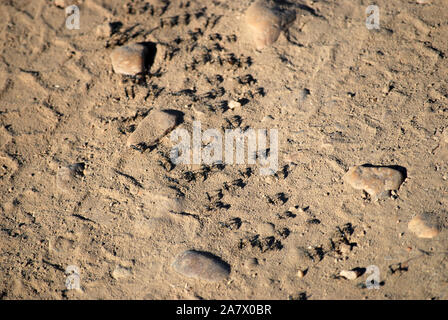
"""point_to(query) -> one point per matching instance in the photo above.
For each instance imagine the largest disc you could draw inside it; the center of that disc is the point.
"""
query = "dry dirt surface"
(75, 197)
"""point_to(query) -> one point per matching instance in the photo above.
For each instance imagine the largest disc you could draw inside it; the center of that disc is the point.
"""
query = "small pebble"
(5, 137)
(251, 263)
(265, 22)
(378, 182)
(104, 30)
(445, 136)
(152, 128)
(303, 94)
(234, 104)
(60, 3)
(267, 118)
(161, 54)
(345, 248)
(349, 275)
(129, 59)
(201, 265)
(266, 229)
(300, 274)
(425, 225)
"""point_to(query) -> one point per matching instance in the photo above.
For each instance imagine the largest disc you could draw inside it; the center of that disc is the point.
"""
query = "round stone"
(129, 59)
(265, 22)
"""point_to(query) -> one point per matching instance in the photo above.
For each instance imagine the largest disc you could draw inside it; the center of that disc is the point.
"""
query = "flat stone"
(265, 22)
(152, 128)
(68, 177)
(425, 225)
(129, 59)
(201, 265)
(121, 272)
(376, 181)
(163, 201)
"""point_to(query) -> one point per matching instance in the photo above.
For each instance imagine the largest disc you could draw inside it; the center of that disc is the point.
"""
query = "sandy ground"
(339, 94)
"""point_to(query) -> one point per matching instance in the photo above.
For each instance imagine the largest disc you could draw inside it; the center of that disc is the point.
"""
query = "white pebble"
(349, 275)
(234, 104)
